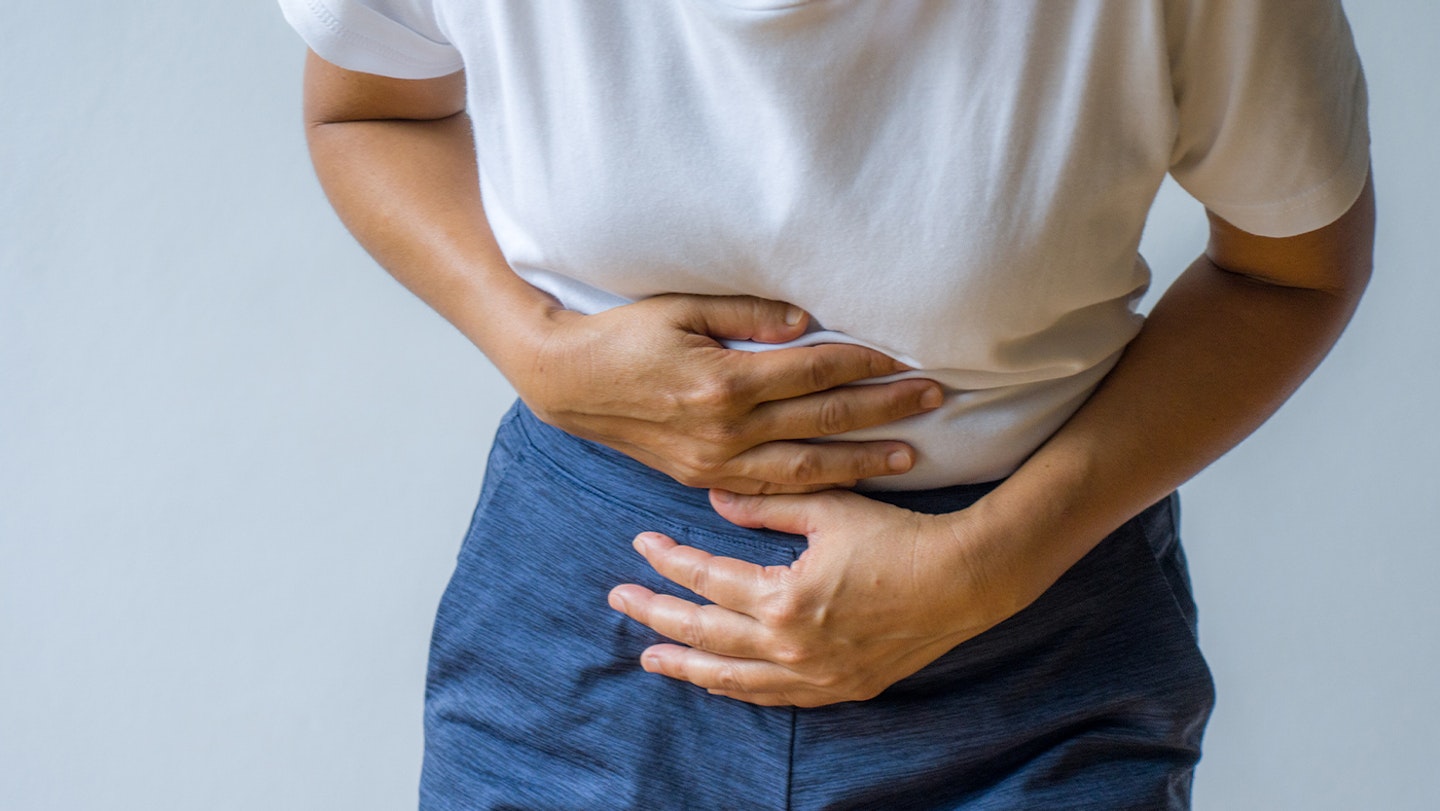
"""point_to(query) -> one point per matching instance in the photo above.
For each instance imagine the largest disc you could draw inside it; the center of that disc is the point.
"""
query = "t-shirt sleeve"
(1271, 105)
(397, 38)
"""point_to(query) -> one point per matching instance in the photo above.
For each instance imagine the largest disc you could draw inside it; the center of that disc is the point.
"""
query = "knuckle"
(688, 474)
(803, 467)
(770, 488)
(878, 364)
(728, 678)
(824, 372)
(691, 461)
(723, 431)
(697, 468)
(792, 654)
(763, 311)
(699, 577)
(714, 393)
(833, 416)
(692, 630)
(772, 616)
(780, 612)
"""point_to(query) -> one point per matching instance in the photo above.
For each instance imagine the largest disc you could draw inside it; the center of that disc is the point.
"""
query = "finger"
(756, 487)
(797, 515)
(734, 584)
(815, 466)
(780, 374)
(745, 318)
(723, 673)
(821, 467)
(711, 628)
(844, 409)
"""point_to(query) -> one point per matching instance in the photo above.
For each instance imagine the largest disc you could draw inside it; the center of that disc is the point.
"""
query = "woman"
(714, 231)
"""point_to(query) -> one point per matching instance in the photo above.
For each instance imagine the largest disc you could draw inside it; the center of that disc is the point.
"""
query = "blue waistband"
(604, 470)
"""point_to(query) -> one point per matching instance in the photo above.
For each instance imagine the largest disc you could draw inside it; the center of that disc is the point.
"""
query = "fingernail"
(793, 315)
(642, 543)
(724, 496)
(617, 601)
(650, 662)
(898, 461)
(932, 398)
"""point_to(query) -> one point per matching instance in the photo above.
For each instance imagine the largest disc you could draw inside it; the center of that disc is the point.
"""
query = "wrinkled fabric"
(1094, 697)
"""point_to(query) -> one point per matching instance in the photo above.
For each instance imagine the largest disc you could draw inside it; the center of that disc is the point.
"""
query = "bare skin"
(649, 379)
(880, 591)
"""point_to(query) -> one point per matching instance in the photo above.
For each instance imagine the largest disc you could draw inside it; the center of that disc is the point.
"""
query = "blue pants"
(1094, 697)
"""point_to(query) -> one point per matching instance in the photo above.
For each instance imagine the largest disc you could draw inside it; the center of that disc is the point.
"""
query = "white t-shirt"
(961, 184)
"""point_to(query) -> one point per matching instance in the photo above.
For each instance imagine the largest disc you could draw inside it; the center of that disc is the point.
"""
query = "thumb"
(796, 514)
(743, 318)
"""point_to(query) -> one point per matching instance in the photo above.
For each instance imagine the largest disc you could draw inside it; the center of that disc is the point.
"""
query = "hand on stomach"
(668, 381)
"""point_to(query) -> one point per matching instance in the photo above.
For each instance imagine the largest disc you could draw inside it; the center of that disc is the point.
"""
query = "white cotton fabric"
(961, 184)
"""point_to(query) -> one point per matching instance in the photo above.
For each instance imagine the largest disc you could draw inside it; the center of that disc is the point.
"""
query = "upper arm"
(1336, 258)
(334, 94)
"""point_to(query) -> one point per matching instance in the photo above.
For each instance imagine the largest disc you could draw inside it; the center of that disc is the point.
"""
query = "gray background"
(236, 459)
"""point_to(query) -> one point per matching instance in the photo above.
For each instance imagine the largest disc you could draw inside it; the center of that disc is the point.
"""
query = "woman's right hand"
(652, 380)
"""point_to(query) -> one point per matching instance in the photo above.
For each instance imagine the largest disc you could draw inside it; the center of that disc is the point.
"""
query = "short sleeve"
(1271, 111)
(397, 38)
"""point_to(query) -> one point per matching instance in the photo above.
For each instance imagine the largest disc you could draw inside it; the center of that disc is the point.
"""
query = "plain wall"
(236, 459)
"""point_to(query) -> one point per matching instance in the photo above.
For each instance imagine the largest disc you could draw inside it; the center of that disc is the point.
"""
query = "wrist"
(522, 343)
(1025, 534)
(505, 317)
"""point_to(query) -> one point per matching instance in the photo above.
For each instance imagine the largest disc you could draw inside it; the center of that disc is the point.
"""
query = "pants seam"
(790, 760)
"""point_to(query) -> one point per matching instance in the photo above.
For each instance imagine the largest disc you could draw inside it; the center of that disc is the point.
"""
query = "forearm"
(1218, 355)
(407, 190)
(650, 379)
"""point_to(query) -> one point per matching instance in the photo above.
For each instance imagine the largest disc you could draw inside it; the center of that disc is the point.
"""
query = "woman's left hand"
(879, 593)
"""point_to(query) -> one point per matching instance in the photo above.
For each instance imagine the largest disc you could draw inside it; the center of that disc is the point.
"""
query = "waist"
(590, 465)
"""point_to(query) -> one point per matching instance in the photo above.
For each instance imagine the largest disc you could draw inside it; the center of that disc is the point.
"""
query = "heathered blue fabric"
(1094, 697)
